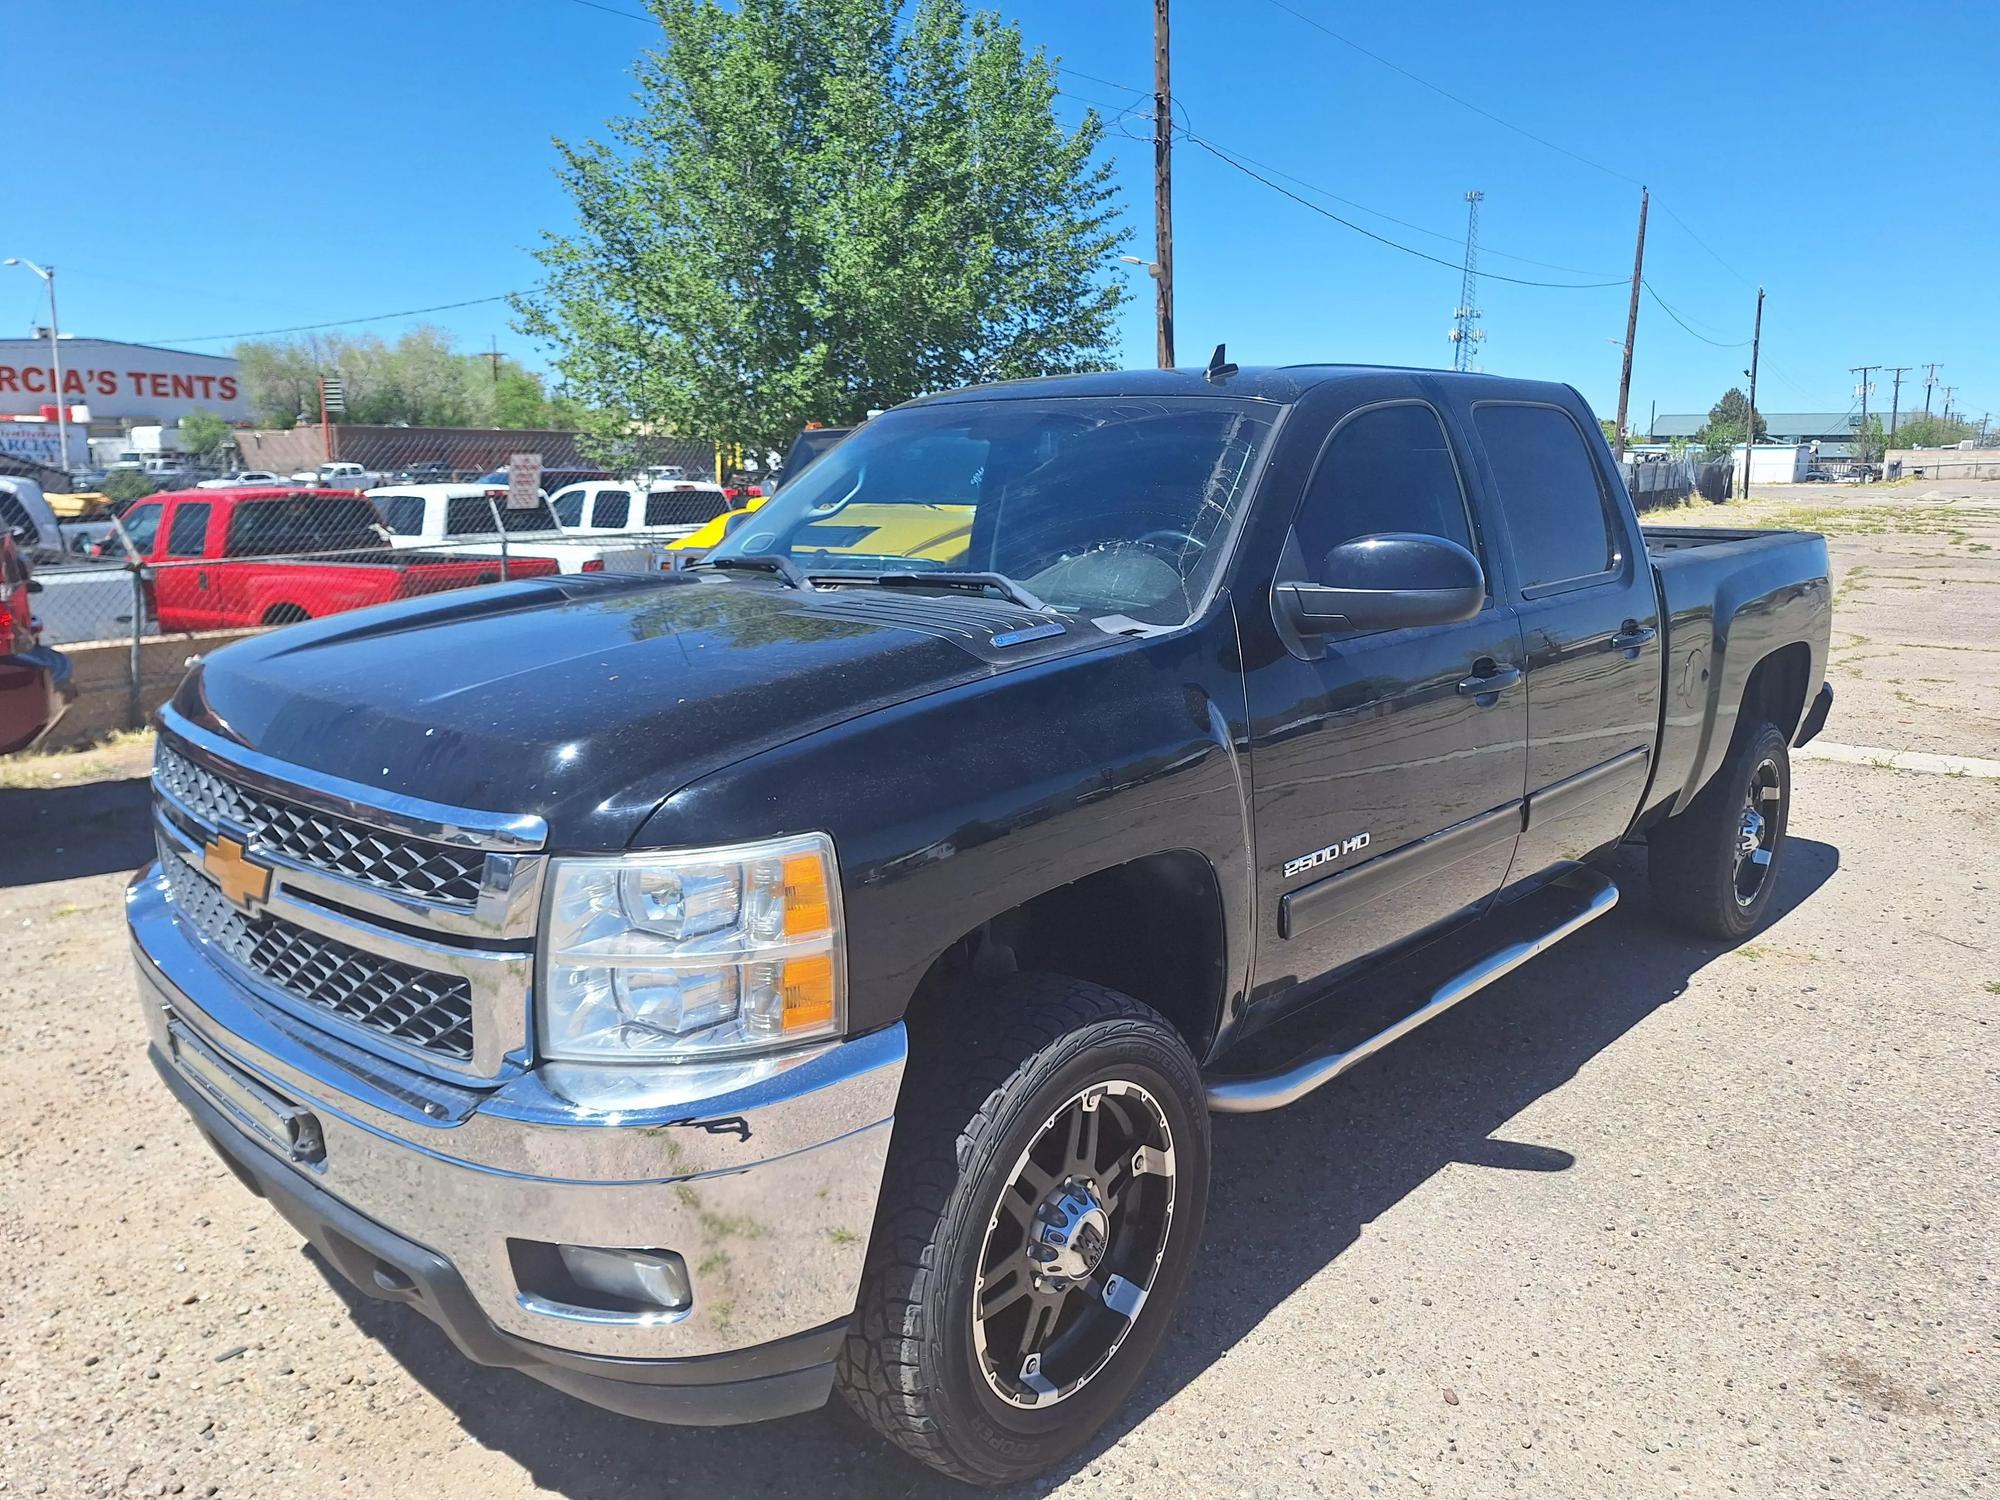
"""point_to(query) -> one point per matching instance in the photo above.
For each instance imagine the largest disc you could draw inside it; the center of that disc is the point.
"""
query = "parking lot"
(1646, 1218)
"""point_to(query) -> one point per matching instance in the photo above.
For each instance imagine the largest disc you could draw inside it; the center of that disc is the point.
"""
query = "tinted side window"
(189, 531)
(1557, 512)
(1386, 470)
(463, 517)
(613, 508)
(311, 523)
(568, 506)
(142, 525)
(402, 514)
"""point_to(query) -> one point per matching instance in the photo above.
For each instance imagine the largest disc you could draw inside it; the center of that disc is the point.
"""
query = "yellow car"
(717, 529)
(934, 533)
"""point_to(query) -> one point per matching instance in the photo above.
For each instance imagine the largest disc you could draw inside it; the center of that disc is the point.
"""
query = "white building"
(108, 387)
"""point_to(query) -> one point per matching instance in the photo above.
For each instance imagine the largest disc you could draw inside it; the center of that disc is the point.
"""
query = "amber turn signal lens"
(807, 912)
(808, 992)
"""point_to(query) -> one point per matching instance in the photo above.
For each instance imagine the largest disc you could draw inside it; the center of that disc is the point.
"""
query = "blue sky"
(250, 164)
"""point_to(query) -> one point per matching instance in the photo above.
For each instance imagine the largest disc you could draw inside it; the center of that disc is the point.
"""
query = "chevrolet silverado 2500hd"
(816, 968)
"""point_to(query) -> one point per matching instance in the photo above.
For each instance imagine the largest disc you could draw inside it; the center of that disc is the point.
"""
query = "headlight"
(691, 954)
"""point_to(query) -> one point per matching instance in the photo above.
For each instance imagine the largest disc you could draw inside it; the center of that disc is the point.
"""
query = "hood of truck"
(587, 699)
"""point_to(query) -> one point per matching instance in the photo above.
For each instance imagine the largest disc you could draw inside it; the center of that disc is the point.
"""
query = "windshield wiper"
(760, 562)
(1000, 583)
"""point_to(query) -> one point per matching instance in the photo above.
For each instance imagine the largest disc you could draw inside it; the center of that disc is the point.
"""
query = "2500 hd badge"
(1326, 856)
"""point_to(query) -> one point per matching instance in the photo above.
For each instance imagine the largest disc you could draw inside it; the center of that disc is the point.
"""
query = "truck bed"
(1729, 598)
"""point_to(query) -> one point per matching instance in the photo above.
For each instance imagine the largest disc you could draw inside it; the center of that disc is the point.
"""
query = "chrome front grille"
(419, 1007)
(392, 862)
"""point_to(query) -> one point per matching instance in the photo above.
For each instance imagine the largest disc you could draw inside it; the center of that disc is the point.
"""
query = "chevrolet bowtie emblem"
(243, 881)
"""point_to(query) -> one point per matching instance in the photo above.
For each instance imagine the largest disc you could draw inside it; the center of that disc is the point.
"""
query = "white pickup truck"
(670, 508)
(471, 520)
(338, 475)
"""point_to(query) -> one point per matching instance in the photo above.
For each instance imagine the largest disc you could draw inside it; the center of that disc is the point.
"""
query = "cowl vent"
(991, 629)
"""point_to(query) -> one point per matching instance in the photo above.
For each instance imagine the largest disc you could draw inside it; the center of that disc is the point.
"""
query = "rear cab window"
(1563, 529)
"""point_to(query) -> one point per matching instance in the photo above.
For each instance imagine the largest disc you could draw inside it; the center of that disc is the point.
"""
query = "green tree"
(125, 484)
(203, 433)
(422, 379)
(1870, 442)
(810, 215)
(1727, 420)
(1932, 432)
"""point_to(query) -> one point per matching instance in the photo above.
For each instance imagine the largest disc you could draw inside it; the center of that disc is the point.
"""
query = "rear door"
(611, 509)
(1388, 766)
(1589, 621)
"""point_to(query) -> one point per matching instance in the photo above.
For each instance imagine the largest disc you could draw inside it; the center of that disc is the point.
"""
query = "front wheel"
(1041, 1208)
(1714, 867)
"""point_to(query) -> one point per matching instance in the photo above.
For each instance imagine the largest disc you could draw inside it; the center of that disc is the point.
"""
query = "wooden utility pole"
(1863, 390)
(1163, 187)
(1632, 326)
(1896, 398)
(1750, 427)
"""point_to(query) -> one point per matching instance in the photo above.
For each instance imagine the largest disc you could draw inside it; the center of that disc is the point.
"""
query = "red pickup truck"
(224, 558)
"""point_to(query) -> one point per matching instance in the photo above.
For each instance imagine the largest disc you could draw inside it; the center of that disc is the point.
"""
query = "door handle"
(1494, 679)
(1632, 635)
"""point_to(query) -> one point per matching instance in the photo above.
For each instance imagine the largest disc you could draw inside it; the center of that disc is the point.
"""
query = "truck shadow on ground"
(1276, 1219)
(65, 832)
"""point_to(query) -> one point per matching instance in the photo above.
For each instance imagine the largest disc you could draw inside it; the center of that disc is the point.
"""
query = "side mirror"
(1389, 582)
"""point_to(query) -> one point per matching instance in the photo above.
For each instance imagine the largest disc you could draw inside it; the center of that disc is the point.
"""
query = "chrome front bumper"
(762, 1175)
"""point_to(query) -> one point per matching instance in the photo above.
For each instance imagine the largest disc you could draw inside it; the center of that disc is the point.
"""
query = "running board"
(1249, 1094)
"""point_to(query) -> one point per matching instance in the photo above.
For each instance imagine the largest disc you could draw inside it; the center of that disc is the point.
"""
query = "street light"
(1152, 266)
(48, 275)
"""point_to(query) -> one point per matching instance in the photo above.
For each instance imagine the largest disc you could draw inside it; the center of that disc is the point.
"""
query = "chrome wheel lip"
(1031, 1389)
(1757, 832)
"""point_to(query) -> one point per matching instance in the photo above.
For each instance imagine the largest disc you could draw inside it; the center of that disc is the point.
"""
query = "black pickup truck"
(818, 967)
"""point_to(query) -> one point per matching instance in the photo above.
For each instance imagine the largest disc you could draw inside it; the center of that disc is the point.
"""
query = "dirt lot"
(1646, 1219)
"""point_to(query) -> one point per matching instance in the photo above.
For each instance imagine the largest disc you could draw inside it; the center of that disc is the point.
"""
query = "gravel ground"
(1647, 1218)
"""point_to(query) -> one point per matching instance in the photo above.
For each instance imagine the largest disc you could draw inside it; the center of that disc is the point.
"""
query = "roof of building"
(78, 340)
(1779, 424)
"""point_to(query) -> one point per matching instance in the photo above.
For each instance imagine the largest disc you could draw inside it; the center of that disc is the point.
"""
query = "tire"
(1001, 1077)
(1692, 860)
(285, 614)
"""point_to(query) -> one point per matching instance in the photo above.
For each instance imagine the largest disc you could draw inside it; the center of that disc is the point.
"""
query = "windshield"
(1107, 505)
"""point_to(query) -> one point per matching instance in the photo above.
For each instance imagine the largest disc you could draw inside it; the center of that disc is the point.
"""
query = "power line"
(1455, 265)
(258, 333)
(1718, 343)
(1436, 234)
(1689, 230)
(1445, 93)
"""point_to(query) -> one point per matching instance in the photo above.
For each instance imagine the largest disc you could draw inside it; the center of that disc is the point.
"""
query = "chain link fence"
(141, 587)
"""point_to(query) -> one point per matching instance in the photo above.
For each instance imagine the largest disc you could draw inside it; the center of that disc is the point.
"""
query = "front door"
(1388, 771)
(1590, 625)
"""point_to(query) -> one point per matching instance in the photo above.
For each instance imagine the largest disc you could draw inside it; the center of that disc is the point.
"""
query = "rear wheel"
(1040, 1212)
(1714, 867)
(285, 614)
